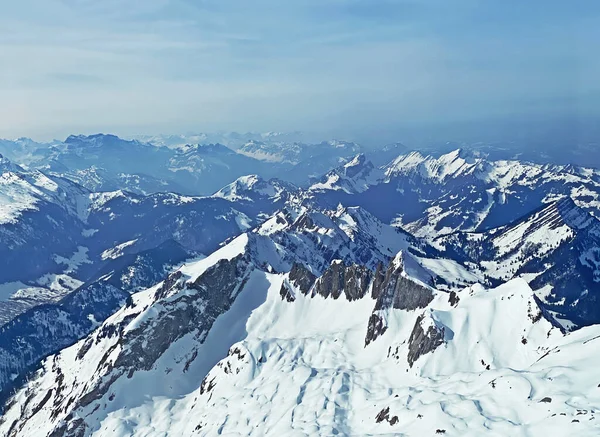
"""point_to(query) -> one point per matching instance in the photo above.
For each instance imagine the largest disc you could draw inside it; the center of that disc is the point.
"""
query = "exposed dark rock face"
(353, 281)
(453, 298)
(31, 336)
(400, 292)
(390, 288)
(375, 328)
(189, 312)
(216, 290)
(301, 277)
(168, 285)
(286, 293)
(384, 415)
(378, 279)
(393, 290)
(421, 342)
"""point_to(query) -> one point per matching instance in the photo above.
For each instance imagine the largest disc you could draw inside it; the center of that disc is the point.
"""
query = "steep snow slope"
(60, 241)
(322, 321)
(220, 349)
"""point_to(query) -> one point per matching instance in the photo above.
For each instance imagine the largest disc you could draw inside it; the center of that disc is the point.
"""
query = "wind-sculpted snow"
(215, 349)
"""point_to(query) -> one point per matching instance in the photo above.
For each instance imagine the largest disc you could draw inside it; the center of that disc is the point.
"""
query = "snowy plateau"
(329, 291)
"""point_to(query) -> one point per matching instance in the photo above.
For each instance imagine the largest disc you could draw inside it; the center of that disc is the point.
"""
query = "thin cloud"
(144, 66)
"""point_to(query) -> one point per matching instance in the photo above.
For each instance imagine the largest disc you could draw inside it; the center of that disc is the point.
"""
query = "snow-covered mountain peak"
(253, 187)
(452, 164)
(548, 227)
(317, 321)
(7, 165)
(349, 234)
(97, 141)
(554, 248)
(355, 176)
(358, 161)
(263, 365)
(405, 163)
(308, 312)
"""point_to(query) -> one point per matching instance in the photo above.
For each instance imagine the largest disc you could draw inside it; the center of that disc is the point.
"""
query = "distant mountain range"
(279, 287)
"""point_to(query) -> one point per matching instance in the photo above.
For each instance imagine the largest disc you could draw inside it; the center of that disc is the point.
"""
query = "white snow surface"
(117, 251)
(269, 367)
(355, 176)
(248, 187)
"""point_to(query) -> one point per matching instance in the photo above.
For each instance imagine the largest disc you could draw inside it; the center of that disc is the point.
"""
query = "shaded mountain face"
(115, 244)
(233, 140)
(55, 235)
(98, 179)
(34, 211)
(22, 150)
(115, 155)
(292, 236)
(102, 161)
(315, 311)
(206, 168)
(556, 247)
(235, 355)
(34, 333)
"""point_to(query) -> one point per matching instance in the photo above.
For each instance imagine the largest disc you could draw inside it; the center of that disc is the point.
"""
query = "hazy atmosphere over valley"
(300, 218)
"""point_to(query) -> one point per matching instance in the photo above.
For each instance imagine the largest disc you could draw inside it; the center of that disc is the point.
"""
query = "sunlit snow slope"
(242, 343)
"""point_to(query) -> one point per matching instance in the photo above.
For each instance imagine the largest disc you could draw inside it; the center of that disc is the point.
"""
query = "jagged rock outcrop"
(214, 292)
(45, 329)
(353, 281)
(391, 288)
(138, 339)
(423, 339)
(301, 277)
(395, 290)
(400, 291)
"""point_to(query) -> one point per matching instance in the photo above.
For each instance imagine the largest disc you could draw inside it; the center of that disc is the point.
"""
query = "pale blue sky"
(335, 66)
